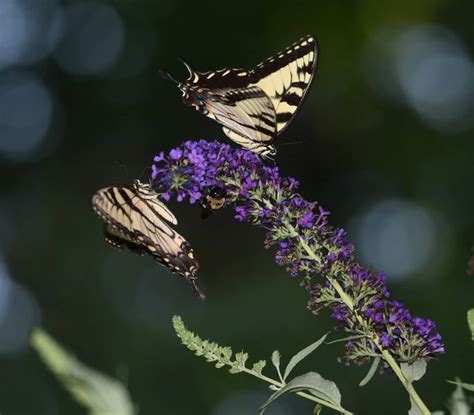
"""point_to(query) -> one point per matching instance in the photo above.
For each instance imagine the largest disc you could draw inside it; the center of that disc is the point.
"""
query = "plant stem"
(385, 354)
(407, 385)
(302, 394)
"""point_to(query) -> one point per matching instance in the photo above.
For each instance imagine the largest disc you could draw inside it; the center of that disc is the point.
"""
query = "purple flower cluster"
(409, 338)
(306, 245)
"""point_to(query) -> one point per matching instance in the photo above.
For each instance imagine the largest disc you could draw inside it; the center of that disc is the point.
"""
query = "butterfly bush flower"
(307, 246)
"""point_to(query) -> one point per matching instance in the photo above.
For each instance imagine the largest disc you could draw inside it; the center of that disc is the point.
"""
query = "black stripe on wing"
(122, 242)
(248, 112)
(285, 78)
(291, 98)
(297, 50)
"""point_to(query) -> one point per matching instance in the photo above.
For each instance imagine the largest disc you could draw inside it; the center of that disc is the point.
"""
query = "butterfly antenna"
(289, 144)
(143, 172)
(188, 67)
(166, 75)
(122, 166)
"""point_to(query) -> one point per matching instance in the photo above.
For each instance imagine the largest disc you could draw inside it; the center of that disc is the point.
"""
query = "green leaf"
(468, 386)
(298, 357)
(470, 321)
(415, 371)
(234, 370)
(414, 410)
(344, 339)
(100, 394)
(437, 413)
(458, 404)
(276, 357)
(241, 358)
(371, 372)
(312, 382)
(317, 409)
(258, 366)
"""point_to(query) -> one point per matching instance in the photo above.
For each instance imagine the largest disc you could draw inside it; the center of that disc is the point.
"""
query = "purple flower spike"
(306, 245)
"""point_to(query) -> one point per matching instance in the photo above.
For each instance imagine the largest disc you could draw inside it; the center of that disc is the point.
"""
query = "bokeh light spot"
(26, 110)
(24, 25)
(396, 236)
(19, 313)
(436, 76)
(92, 37)
(13, 32)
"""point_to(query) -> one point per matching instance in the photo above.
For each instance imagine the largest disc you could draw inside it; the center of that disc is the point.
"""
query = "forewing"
(161, 210)
(111, 205)
(162, 242)
(136, 221)
(248, 112)
(285, 78)
(221, 79)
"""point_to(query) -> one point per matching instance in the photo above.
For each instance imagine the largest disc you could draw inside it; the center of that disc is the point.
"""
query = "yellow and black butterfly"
(137, 221)
(254, 106)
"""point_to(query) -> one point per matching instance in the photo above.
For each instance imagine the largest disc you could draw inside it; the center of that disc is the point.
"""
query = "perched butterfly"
(213, 199)
(254, 106)
(137, 221)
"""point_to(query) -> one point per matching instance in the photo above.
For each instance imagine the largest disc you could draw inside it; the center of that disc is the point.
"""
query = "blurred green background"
(387, 133)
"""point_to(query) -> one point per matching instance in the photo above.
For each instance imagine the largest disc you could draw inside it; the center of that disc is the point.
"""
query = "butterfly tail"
(197, 290)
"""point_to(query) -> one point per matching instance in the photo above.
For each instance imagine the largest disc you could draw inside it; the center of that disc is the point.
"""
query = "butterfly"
(136, 221)
(254, 106)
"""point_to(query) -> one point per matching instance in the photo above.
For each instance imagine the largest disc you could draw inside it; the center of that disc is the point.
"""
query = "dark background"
(387, 134)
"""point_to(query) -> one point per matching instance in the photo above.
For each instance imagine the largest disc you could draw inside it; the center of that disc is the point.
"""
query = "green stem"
(302, 394)
(385, 354)
(195, 344)
(407, 385)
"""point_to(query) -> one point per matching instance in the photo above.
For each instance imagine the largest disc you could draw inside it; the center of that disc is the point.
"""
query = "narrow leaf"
(468, 386)
(276, 357)
(458, 404)
(317, 409)
(298, 357)
(371, 372)
(312, 382)
(344, 339)
(470, 321)
(100, 394)
(415, 371)
(414, 410)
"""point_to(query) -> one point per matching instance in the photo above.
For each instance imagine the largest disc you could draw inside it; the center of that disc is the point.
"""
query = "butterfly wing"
(138, 222)
(285, 78)
(255, 106)
(248, 112)
(122, 241)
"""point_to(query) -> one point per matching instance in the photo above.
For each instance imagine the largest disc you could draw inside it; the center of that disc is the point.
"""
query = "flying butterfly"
(254, 106)
(136, 221)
